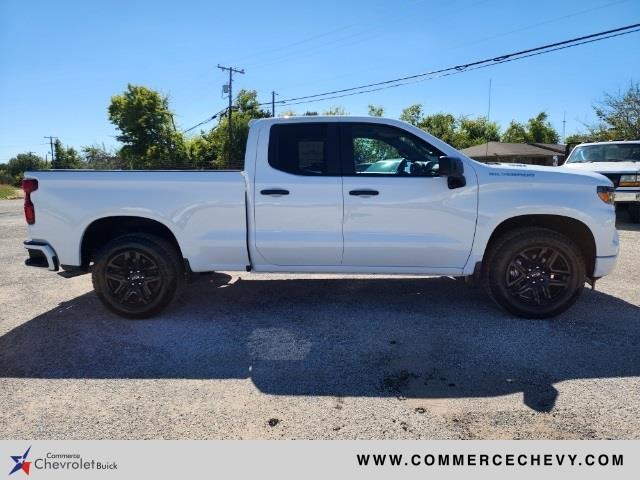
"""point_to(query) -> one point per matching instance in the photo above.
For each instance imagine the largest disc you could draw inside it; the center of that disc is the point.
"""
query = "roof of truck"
(612, 142)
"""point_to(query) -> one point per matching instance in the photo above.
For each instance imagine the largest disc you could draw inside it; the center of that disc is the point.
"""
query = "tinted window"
(373, 149)
(302, 149)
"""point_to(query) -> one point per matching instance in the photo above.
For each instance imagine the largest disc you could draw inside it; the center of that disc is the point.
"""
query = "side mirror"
(450, 167)
(453, 169)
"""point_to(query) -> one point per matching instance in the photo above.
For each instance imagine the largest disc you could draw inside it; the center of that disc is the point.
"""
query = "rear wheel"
(136, 276)
(534, 272)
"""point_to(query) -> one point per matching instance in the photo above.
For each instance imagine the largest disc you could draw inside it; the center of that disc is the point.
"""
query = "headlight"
(630, 181)
(606, 194)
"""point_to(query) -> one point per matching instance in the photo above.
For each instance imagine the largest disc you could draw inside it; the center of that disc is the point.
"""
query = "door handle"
(275, 192)
(364, 193)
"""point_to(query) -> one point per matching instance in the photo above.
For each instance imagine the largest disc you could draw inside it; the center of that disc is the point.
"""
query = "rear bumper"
(604, 266)
(41, 254)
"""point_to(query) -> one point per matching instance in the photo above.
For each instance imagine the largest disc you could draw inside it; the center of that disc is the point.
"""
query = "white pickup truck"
(619, 162)
(329, 194)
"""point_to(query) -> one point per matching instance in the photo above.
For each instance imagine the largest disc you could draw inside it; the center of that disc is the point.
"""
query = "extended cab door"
(298, 196)
(397, 211)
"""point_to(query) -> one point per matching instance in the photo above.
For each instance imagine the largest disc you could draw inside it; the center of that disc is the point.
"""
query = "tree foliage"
(540, 130)
(618, 115)
(98, 157)
(213, 148)
(375, 111)
(21, 163)
(516, 132)
(146, 129)
(459, 132)
(335, 111)
(66, 157)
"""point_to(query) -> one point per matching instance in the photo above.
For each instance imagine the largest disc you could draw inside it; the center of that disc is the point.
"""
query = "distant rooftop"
(501, 149)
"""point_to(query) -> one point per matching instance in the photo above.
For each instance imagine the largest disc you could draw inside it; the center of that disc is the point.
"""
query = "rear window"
(301, 149)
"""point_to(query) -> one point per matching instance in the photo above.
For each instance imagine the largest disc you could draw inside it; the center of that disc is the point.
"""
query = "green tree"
(536, 130)
(335, 111)
(376, 111)
(310, 113)
(221, 153)
(99, 157)
(441, 125)
(412, 114)
(516, 132)
(539, 130)
(21, 163)
(618, 116)
(146, 129)
(66, 157)
(475, 131)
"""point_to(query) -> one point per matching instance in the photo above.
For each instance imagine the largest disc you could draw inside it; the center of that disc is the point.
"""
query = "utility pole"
(564, 124)
(231, 70)
(273, 103)
(53, 158)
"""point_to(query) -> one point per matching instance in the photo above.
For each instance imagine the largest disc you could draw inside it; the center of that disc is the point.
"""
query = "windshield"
(605, 153)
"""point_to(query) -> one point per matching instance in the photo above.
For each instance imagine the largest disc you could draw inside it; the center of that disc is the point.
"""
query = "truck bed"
(205, 210)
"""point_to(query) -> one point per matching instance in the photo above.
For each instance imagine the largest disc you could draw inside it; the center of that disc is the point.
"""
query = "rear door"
(298, 196)
(397, 211)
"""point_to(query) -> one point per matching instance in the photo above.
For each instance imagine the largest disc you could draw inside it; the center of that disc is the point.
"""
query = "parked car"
(531, 235)
(620, 163)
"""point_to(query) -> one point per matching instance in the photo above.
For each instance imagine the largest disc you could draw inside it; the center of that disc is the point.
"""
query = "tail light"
(29, 185)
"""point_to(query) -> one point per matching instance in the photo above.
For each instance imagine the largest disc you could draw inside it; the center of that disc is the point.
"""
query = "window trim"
(332, 148)
(346, 150)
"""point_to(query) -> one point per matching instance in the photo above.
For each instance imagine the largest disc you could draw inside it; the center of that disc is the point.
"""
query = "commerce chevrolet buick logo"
(21, 463)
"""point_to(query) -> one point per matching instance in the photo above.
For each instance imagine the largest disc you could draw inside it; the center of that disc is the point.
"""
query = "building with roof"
(533, 153)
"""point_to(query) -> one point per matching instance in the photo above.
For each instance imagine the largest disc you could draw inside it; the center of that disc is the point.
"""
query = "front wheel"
(534, 272)
(136, 276)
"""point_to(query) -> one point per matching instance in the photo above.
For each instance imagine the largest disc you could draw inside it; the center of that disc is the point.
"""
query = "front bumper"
(627, 196)
(41, 254)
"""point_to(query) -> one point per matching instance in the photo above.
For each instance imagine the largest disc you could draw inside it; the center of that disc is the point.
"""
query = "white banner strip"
(320, 459)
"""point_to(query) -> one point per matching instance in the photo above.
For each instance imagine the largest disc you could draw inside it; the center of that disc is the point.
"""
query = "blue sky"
(62, 61)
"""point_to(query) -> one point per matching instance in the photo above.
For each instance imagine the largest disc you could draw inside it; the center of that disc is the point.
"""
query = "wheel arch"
(574, 229)
(102, 230)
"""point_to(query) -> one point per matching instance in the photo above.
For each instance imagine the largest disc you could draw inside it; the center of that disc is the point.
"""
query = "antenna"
(486, 153)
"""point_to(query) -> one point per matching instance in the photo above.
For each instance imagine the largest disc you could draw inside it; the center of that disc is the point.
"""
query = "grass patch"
(8, 192)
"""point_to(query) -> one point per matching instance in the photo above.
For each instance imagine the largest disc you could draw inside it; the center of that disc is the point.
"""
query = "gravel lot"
(278, 356)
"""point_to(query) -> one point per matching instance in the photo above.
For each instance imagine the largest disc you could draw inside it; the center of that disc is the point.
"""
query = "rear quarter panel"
(205, 210)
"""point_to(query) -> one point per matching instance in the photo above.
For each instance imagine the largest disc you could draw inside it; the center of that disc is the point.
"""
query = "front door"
(298, 197)
(397, 211)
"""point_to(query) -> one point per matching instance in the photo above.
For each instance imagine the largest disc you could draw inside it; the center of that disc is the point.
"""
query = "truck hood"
(605, 167)
(547, 174)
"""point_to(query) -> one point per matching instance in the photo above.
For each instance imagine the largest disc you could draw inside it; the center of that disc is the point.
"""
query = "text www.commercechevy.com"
(489, 460)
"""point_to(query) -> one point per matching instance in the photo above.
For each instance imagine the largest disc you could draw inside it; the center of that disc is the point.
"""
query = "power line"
(444, 72)
(205, 121)
(475, 64)
(447, 72)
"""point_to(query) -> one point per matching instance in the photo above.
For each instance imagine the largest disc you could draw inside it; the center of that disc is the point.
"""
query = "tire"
(534, 272)
(634, 212)
(136, 276)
